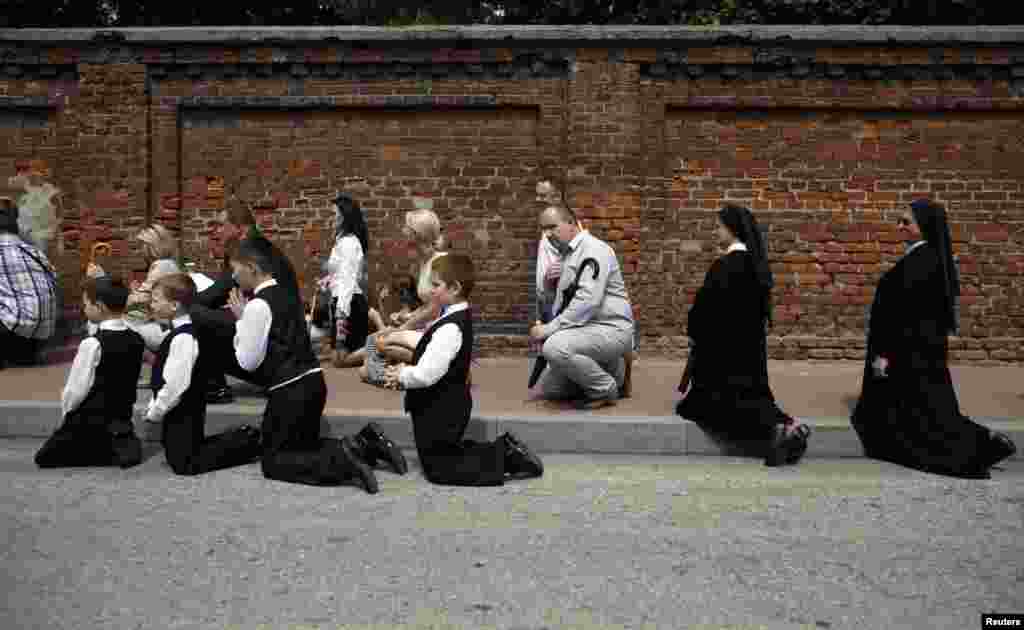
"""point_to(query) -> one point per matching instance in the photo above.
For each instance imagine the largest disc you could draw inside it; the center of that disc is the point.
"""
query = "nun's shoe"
(520, 461)
(787, 447)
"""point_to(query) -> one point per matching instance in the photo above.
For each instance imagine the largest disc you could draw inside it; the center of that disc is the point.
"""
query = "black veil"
(931, 218)
(741, 222)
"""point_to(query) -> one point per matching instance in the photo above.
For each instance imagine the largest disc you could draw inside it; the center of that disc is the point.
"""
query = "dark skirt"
(912, 418)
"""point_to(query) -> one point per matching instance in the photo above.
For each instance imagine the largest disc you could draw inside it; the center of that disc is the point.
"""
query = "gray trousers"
(585, 361)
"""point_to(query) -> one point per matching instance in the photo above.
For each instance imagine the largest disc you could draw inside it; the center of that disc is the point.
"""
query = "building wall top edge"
(661, 36)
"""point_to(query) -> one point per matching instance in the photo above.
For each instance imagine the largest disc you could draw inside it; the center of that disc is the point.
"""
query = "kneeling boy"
(439, 396)
(272, 342)
(179, 382)
(100, 392)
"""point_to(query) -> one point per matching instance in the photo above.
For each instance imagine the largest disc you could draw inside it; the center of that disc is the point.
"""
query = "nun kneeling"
(908, 411)
(728, 395)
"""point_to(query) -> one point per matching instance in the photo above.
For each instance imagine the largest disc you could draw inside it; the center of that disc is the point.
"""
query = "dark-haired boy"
(439, 397)
(272, 342)
(180, 374)
(99, 395)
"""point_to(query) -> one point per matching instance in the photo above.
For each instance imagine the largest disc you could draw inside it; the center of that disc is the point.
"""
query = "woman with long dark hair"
(347, 278)
(728, 394)
(908, 411)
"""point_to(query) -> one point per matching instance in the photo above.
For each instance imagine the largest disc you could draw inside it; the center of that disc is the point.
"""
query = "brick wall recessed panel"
(827, 187)
(290, 164)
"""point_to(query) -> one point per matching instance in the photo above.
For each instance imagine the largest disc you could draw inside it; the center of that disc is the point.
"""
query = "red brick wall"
(826, 144)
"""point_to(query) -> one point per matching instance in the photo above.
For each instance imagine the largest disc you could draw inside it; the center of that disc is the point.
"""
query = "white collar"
(113, 324)
(265, 284)
(576, 240)
(738, 246)
(913, 247)
(181, 320)
(453, 308)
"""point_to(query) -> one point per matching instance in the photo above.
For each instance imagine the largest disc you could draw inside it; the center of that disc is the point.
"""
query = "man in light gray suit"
(586, 343)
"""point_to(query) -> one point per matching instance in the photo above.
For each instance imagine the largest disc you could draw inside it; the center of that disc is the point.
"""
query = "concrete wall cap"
(503, 35)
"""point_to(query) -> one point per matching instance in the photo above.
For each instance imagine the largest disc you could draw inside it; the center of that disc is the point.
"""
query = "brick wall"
(826, 136)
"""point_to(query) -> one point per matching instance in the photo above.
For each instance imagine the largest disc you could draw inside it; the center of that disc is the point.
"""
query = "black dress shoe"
(787, 447)
(343, 459)
(373, 446)
(520, 461)
(1000, 448)
(252, 437)
(220, 396)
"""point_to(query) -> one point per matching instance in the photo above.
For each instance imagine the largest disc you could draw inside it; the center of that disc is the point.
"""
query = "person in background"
(28, 293)
(347, 272)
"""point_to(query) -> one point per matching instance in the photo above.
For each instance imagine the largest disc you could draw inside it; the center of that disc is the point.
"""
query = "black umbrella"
(567, 295)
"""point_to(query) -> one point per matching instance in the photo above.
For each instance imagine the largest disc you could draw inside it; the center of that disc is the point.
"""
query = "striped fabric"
(28, 292)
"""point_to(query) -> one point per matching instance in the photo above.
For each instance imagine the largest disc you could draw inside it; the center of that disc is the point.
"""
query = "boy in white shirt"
(179, 382)
(439, 397)
(100, 392)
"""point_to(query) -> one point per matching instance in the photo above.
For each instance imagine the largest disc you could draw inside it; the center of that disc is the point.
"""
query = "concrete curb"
(570, 432)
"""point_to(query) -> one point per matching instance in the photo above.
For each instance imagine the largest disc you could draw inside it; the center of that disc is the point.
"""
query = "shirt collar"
(576, 240)
(453, 308)
(181, 320)
(265, 284)
(113, 324)
(736, 247)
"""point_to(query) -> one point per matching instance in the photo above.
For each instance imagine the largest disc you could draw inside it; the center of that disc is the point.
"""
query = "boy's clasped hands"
(391, 376)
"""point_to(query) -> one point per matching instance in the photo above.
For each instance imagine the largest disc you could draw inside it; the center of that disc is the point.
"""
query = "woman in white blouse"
(347, 277)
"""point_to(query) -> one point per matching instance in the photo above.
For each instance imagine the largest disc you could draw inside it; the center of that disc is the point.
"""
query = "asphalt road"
(600, 542)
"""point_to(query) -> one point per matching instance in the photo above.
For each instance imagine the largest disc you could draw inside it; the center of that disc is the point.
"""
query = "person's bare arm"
(422, 315)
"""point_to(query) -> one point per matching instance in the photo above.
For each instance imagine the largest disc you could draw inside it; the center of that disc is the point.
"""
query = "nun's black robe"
(729, 396)
(912, 417)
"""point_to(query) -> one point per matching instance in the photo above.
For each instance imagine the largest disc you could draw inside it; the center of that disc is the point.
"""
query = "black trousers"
(190, 452)
(18, 350)
(447, 458)
(216, 336)
(293, 450)
(91, 442)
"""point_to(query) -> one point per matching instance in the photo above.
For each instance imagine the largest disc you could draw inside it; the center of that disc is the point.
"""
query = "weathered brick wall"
(826, 135)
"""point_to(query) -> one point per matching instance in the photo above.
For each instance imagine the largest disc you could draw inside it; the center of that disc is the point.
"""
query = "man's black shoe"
(344, 459)
(220, 396)
(253, 437)
(1000, 447)
(373, 446)
(787, 447)
(520, 461)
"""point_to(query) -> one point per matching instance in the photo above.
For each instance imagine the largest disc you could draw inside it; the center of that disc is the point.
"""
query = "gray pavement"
(601, 541)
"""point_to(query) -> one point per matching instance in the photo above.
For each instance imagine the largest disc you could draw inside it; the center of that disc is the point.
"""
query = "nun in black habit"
(908, 412)
(727, 375)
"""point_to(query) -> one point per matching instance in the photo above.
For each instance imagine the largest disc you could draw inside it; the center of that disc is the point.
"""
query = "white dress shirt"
(181, 358)
(252, 334)
(438, 355)
(736, 247)
(83, 368)
(152, 332)
(346, 265)
(547, 254)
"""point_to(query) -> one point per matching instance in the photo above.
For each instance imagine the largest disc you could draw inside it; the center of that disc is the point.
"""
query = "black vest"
(195, 395)
(453, 383)
(289, 350)
(113, 392)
